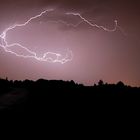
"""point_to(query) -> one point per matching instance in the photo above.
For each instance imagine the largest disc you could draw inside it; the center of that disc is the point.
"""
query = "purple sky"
(97, 54)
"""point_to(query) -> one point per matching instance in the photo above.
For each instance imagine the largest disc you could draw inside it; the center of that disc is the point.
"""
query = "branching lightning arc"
(45, 57)
(58, 57)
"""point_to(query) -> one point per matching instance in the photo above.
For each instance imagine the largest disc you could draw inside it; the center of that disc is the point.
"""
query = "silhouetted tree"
(100, 83)
(120, 84)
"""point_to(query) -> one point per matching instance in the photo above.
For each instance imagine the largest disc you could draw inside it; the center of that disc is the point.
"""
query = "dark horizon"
(43, 95)
(92, 85)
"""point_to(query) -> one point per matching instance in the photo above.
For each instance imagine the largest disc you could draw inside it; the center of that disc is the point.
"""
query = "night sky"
(97, 54)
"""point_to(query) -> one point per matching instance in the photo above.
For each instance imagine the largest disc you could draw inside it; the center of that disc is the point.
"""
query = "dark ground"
(65, 96)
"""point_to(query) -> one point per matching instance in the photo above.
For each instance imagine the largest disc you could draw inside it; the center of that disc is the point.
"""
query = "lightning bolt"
(116, 26)
(6, 46)
(94, 25)
(58, 57)
(89, 22)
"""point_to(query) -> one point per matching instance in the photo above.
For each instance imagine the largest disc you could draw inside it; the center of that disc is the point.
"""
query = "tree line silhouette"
(33, 95)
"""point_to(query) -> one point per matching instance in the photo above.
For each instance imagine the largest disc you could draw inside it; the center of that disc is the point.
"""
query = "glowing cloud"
(32, 54)
(47, 56)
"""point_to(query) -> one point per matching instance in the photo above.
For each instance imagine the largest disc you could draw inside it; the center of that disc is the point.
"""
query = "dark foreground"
(51, 96)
